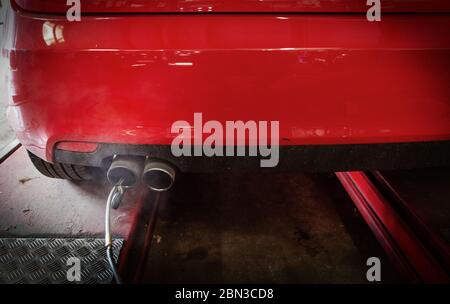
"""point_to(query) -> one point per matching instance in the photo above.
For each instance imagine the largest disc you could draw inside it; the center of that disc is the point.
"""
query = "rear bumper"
(312, 158)
(330, 80)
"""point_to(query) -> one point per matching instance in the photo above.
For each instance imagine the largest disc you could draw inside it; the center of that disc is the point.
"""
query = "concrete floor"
(6, 133)
(2, 11)
(427, 193)
(239, 228)
(271, 228)
(32, 205)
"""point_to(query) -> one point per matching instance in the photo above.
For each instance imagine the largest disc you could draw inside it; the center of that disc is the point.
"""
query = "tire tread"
(61, 171)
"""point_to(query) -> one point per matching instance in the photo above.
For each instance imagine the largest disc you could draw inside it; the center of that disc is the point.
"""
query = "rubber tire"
(62, 171)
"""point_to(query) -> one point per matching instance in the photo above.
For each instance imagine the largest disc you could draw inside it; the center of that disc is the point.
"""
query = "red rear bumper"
(329, 79)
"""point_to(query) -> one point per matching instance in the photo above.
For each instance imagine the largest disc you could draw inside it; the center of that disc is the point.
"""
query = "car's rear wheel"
(63, 171)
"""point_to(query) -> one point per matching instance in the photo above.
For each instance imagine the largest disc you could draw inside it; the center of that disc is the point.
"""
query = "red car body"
(348, 93)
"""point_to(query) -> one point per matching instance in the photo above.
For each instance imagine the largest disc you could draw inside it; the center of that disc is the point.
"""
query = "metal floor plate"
(44, 261)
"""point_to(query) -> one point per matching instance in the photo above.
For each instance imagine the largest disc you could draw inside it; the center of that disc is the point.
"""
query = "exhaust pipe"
(127, 169)
(158, 176)
(125, 172)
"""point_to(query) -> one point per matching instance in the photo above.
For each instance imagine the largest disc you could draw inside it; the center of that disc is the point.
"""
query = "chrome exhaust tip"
(127, 169)
(158, 176)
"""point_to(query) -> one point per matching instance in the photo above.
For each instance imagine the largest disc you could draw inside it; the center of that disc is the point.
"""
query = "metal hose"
(114, 198)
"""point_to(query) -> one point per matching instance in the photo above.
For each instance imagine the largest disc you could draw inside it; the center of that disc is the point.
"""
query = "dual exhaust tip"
(128, 170)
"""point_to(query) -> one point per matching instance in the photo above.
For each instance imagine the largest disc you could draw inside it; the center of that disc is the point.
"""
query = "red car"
(347, 93)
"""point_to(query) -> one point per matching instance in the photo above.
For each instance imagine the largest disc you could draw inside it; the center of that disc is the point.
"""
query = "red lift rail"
(137, 245)
(433, 241)
(412, 256)
(418, 252)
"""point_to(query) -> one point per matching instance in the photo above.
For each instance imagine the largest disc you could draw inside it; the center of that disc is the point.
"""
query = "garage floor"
(283, 228)
(32, 205)
(271, 228)
(427, 193)
(6, 133)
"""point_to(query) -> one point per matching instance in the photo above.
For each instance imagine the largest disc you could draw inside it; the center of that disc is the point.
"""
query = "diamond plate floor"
(44, 261)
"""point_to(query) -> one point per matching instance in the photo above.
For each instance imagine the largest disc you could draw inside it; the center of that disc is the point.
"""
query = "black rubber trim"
(8, 150)
(314, 158)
